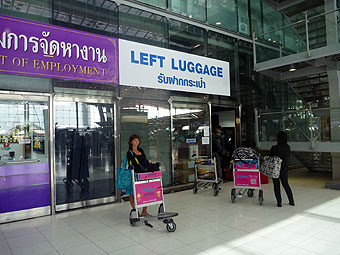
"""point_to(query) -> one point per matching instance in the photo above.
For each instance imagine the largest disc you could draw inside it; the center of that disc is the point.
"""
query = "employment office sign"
(42, 50)
(152, 67)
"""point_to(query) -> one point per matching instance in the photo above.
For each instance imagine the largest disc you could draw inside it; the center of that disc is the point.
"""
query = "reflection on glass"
(142, 26)
(187, 38)
(150, 119)
(23, 127)
(222, 13)
(83, 151)
(24, 167)
(190, 8)
(190, 124)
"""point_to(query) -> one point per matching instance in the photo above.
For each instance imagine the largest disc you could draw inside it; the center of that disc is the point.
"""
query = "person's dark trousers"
(277, 191)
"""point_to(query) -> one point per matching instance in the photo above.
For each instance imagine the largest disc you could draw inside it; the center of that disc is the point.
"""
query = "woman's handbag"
(271, 166)
(124, 176)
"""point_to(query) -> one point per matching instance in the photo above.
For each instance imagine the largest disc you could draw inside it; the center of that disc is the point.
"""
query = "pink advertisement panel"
(148, 192)
(247, 178)
(149, 175)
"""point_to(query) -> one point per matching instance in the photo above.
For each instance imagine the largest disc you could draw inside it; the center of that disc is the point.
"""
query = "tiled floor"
(205, 225)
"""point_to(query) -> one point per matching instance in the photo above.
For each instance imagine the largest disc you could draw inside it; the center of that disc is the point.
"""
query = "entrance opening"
(84, 155)
(224, 137)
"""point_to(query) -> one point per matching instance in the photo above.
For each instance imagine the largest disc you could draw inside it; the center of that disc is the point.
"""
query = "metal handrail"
(298, 22)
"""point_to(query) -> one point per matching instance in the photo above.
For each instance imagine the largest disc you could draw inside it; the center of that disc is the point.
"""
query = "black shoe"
(279, 205)
(292, 203)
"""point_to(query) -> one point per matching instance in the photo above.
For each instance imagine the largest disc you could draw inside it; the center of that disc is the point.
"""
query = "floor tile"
(320, 246)
(262, 244)
(23, 240)
(114, 243)
(85, 249)
(186, 250)
(205, 225)
(213, 228)
(99, 234)
(298, 251)
(189, 235)
(213, 245)
(285, 236)
(35, 249)
(133, 250)
(163, 244)
(68, 241)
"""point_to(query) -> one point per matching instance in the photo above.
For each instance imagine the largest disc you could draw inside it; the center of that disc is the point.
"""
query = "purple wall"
(24, 186)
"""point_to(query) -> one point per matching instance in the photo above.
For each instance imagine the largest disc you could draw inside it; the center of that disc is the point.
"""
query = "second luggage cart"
(246, 179)
(206, 175)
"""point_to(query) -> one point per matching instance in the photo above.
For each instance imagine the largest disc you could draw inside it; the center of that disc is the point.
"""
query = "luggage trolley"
(148, 190)
(206, 175)
(246, 179)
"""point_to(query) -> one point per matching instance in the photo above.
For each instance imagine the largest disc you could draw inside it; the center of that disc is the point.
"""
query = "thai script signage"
(159, 68)
(36, 49)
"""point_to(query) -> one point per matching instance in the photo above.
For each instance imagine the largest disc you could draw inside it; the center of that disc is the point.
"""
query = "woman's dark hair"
(134, 136)
(282, 138)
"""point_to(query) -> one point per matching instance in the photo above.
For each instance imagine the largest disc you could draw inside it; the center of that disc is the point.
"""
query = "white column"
(334, 103)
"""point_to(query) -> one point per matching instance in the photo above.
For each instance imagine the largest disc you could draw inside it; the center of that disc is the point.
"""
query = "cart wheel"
(250, 192)
(261, 197)
(171, 227)
(132, 222)
(233, 196)
(216, 190)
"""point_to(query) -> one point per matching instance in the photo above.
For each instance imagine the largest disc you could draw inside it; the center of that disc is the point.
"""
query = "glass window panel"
(141, 26)
(188, 38)
(84, 151)
(150, 119)
(189, 121)
(222, 47)
(37, 10)
(272, 20)
(256, 16)
(243, 17)
(158, 3)
(98, 17)
(222, 13)
(24, 155)
(191, 8)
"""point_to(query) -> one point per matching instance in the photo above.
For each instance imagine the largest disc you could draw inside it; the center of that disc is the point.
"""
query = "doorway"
(84, 152)
(24, 157)
(225, 118)
(190, 134)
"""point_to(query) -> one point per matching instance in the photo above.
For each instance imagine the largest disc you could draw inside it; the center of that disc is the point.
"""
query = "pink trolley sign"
(247, 178)
(246, 173)
(150, 191)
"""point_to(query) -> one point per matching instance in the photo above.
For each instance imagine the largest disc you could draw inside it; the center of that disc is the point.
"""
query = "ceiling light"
(292, 68)
(218, 23)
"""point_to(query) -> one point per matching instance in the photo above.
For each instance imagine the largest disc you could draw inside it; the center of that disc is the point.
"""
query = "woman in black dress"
(282, 150)
(137, 158)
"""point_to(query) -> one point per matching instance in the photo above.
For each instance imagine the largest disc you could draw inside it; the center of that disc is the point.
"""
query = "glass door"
(190, 136)
(24, 157)
(84, 153)
(150, 120)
